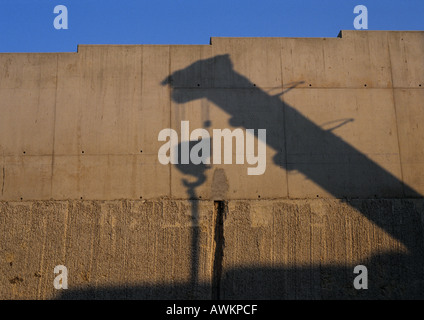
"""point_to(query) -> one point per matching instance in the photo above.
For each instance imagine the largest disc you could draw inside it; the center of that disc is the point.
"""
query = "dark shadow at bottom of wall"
(390, 276)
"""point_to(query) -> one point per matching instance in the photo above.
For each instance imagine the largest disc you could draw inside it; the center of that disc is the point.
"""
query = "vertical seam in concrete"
(284, 124)
(54, 124)
(396, 117)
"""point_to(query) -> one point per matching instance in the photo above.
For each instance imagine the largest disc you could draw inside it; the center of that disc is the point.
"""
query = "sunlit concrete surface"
(82, 186)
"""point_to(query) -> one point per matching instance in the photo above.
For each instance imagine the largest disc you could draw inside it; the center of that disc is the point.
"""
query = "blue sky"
(27, 25)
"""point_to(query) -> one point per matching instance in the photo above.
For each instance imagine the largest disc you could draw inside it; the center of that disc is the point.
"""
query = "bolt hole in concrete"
(254, 84)
(82, 151)
(365, 85)
(81, 198)
(310, 85)
(198, 84)
(141, 151)
(141, 197)
(22, 198)
(24, 152)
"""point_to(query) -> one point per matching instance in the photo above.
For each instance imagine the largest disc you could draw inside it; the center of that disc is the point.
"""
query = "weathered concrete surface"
(307, 249)
(118, 244)
(81, 184)
(273, 249)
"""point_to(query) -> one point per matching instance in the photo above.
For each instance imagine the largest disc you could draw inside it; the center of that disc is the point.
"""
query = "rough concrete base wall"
(177, 249)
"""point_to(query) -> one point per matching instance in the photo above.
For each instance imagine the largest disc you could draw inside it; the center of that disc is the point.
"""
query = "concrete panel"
(69, 99)
(220, 109)
(120, 115)
(307, 249)
(103, 114)
(27, 101)
(362, 59)
(154, 111)
(201, 74)
(253, 62)
(27, 177)
(335, 151)
(109, 177)
(406, 54)
(410, 119)
(28, 70)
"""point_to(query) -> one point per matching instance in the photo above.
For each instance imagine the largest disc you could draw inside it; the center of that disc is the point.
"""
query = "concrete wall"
(81, 184)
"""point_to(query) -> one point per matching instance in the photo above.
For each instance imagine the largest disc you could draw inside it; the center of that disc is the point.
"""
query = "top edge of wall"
(349, 33)
(346, 34)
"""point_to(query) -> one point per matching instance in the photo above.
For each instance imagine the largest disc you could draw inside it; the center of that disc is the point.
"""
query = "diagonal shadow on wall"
(347, 171)
(253, 108)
